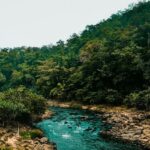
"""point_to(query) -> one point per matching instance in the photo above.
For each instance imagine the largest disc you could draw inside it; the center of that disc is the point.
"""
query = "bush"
(140, 100)
(131, 99)
(10, 110)
(113, 97)
(32, 134)
(19, 102)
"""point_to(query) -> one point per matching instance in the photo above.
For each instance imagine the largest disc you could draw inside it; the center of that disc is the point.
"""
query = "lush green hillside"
(107, 63)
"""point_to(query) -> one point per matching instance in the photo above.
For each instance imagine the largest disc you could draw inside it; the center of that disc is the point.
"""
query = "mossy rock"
(31, 134)
(4, 147)
(76, 106)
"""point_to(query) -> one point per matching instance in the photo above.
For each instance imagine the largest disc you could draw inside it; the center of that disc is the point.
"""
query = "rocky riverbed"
(127, 124)
(11, 138)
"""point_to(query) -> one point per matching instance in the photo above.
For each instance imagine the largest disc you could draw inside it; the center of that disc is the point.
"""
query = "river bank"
(127, 124)
(25, 137)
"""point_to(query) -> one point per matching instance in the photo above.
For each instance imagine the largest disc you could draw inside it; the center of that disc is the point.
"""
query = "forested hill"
(107, 63)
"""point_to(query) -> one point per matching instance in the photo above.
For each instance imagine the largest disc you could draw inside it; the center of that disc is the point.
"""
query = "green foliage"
(10, 110)
(131, 99)
(15, 103)
(141, 100)
(106, 63)
(4, 147)
(58, 91)
(51, 77)
(31, 134)
(2, 78)
(113, 97)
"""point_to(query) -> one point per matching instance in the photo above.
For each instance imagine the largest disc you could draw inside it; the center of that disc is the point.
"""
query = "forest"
(107, 63)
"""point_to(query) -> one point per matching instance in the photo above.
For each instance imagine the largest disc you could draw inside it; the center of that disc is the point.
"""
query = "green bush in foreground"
(20, 103)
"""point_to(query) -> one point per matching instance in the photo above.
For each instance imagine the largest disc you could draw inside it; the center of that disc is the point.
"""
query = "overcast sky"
(41, 22)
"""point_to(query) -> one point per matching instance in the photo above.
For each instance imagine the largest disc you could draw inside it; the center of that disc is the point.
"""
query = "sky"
(44, 22)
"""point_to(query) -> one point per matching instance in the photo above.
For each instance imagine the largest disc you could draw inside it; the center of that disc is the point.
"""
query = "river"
(73, 129)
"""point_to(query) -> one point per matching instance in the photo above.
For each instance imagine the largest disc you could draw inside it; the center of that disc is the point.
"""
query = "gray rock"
(43, 140)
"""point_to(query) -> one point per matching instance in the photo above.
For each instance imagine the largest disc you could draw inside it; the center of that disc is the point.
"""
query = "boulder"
(43, 140)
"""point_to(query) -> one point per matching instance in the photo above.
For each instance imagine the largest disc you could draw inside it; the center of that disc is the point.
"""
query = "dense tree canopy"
(107, 63)
(20, 103)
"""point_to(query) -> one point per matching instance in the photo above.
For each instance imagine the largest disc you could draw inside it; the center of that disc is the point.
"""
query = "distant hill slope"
(107, 63)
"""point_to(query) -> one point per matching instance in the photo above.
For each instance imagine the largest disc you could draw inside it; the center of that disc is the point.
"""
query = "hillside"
(107, 63)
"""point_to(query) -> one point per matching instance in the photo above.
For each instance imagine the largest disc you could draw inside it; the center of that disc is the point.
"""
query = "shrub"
(32, 134)
(19, 103)
(10, 110)
(33, 102)
(113, 97)
(140, 100)
(131, 99)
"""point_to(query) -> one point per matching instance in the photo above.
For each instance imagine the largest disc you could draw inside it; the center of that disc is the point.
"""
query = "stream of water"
(73, 129)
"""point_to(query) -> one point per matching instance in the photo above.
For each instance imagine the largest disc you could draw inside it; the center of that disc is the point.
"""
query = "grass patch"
(3, 147)
(31, 134)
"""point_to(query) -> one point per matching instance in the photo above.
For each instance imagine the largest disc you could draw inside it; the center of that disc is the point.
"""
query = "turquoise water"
(74, 129)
